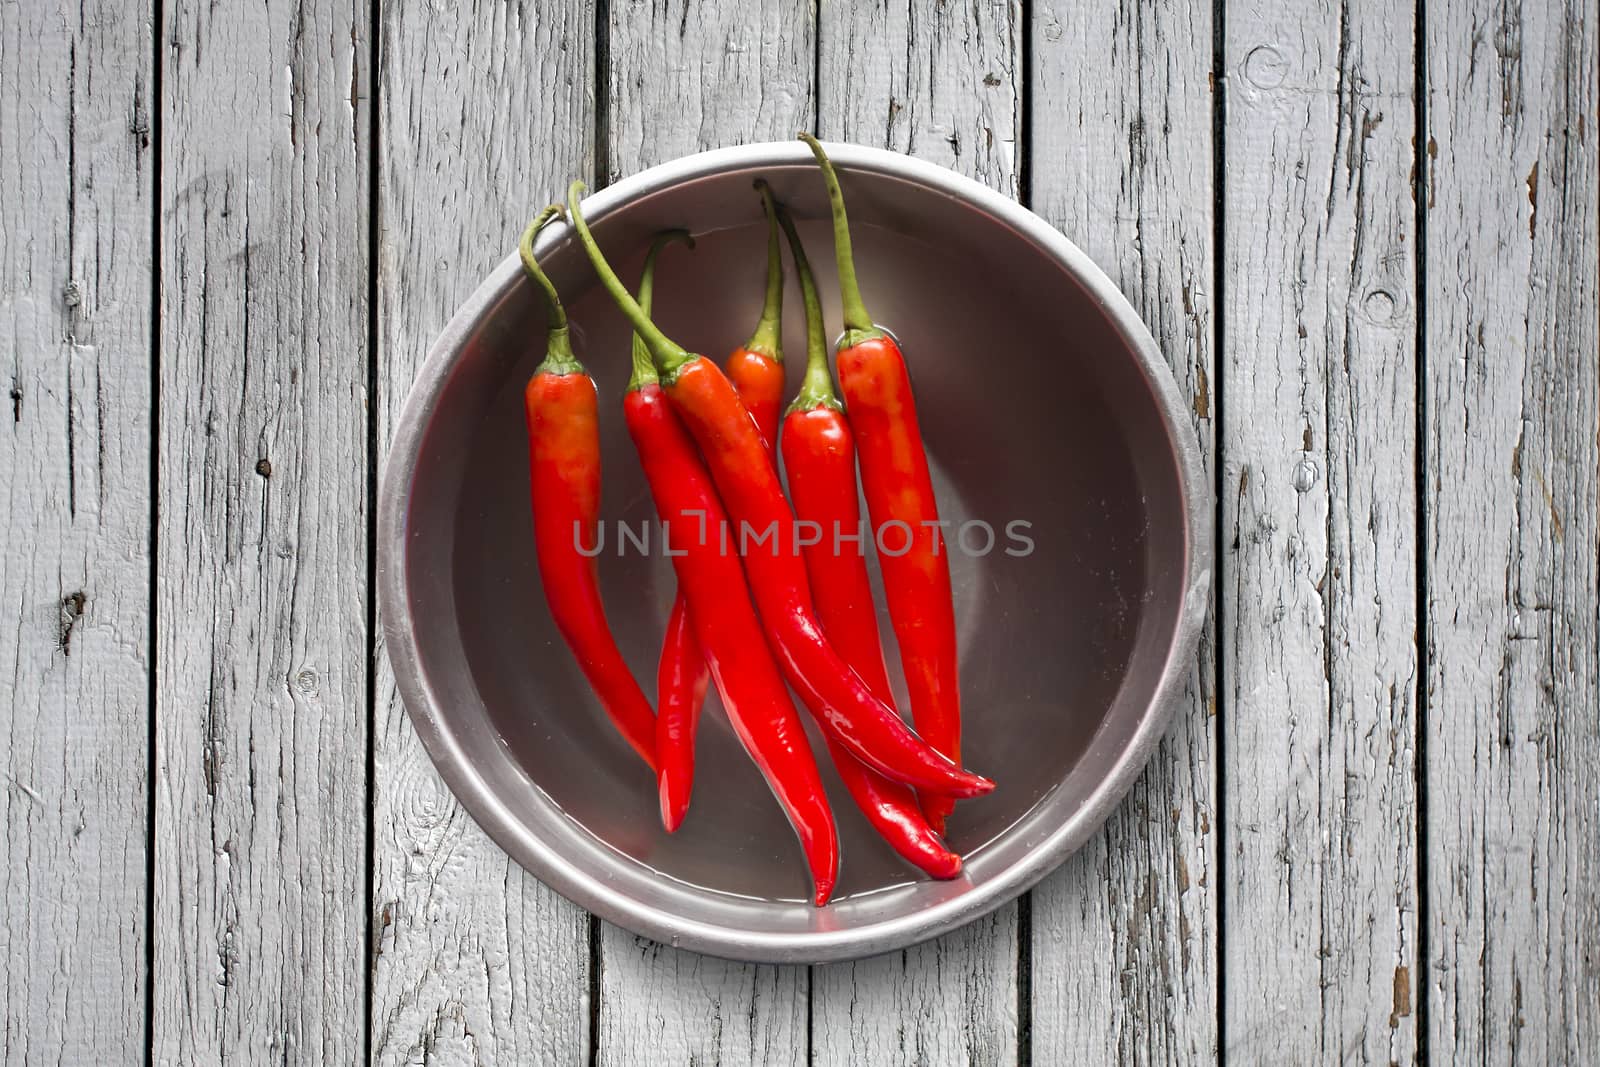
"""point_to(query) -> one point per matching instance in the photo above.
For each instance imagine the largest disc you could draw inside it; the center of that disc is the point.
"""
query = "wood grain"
(685, 77)
(942, 82)
(1124, 937)
(1513, 711)
(688, 75)
(475, 961)
(660, 1004)
(75, 290)
(261, 669)
(1319, 532)
(259, 645)
(953, 1000)
(937, 80)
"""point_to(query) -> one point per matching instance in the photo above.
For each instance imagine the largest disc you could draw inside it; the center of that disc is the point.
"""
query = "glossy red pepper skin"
(564, 488)
(564, 465)
(756, 367)
(759, 380)
(747, 481)
(682, 676)
(899, 488)
(819, 457)
(729, 632)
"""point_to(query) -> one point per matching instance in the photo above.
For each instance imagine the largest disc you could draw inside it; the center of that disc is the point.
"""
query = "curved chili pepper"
(682, 676)
(899, 489)
(890, 807)
(748, 483)
(820, 459)
(564, 477)
(682, 673)
(756, 370)
(756, 367)
(725, 623)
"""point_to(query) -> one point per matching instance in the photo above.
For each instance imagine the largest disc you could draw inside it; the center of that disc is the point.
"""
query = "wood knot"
(72, 608)
(1265, 67)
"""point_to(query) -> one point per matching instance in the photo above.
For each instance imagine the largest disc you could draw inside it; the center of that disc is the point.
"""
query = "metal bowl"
(1043, 400)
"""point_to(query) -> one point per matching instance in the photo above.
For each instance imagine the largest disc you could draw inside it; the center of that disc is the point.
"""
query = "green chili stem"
(668, 355)
(644, 369)
(768, 336)
(858, 324)
(558, 314)
(558, 357)
(816, 389)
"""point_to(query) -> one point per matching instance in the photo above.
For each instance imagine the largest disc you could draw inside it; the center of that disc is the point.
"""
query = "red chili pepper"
(725, 623)
(899, 489)
(682, 676)
(820, 459)
(756, 367)
(682, 673)
(564, 466)
(756, 370)
(748, 483)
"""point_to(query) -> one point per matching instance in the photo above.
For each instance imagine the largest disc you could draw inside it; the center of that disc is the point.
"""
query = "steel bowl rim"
(548, 863)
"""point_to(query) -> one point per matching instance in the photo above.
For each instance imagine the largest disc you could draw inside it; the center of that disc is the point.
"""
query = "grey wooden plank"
(1124, 938)
(936, 80)
(475, 961)
(261, 669)
(1319, 506)
(1513, 722)
(75, 291)
(686, 76)
(660, 1004)
(953, 1000)
(943, 82)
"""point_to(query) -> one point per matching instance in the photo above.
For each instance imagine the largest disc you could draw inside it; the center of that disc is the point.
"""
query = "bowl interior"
(1051, 462)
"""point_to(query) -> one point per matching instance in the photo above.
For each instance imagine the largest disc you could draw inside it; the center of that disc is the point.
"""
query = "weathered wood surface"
(261, 591)
(1319, 534)
(683, 77)
(76, 97)
(1513, 712)
(953, 1001)
(687, 75)
(1124, 937)
(474, 960)
(937, 80)
(1361, 885)
(943, 82)
(660, 1004)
